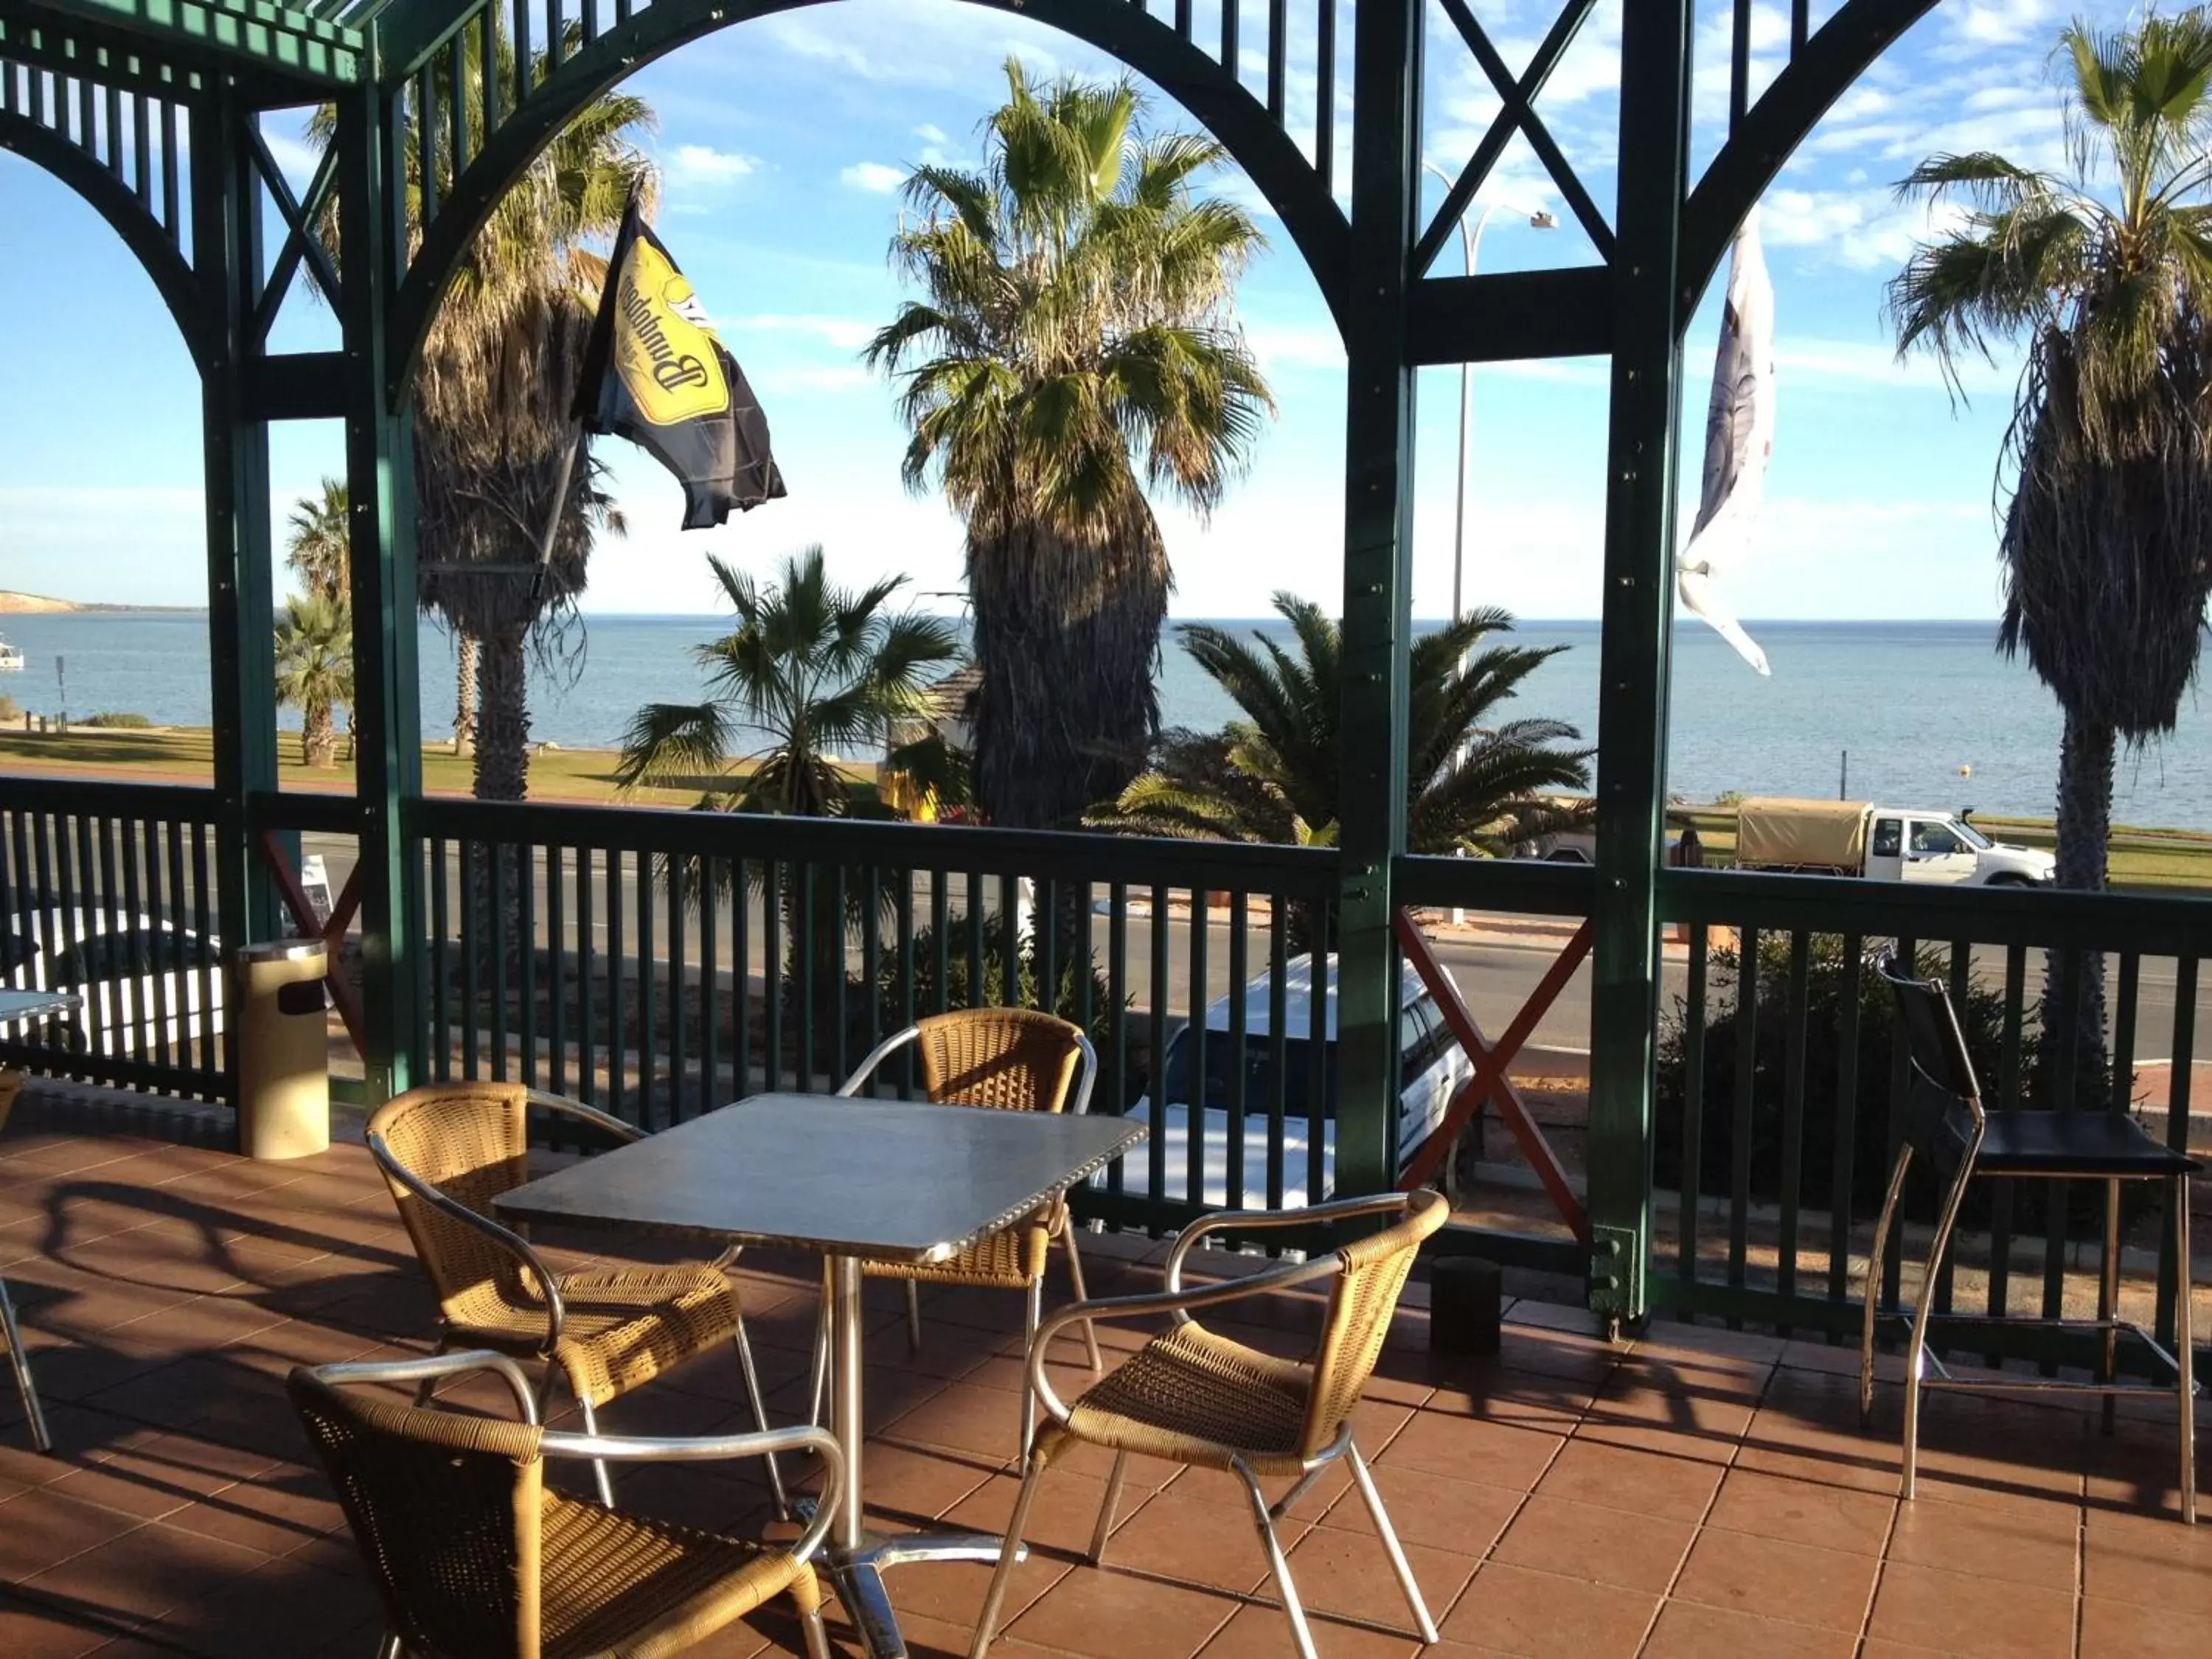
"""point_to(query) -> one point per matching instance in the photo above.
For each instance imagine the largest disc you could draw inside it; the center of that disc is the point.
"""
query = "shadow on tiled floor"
(1698, 1493)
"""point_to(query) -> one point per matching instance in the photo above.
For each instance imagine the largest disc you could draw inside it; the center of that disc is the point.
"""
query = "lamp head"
(1542, 220)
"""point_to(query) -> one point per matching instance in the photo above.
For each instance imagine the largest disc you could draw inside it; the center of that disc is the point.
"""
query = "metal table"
(857, 1180)
(17, 1005)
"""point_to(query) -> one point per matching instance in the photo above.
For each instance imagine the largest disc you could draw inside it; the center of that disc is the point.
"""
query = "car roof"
(1297, 999)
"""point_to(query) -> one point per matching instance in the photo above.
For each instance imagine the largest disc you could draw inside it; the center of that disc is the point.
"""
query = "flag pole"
(553, 518)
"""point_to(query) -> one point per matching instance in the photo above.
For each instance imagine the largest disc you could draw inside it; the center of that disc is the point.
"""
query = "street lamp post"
(1470, 250)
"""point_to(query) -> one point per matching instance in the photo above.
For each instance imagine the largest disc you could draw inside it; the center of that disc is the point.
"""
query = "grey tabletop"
(881, 1180)
(29, 1004)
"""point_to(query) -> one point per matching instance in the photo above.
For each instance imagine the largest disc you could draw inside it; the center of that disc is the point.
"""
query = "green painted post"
(1639, 545)
(241, 654)
(388, 768)
(1378, 462)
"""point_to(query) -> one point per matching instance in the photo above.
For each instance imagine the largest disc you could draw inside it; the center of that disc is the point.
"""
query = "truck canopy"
(1801, 833)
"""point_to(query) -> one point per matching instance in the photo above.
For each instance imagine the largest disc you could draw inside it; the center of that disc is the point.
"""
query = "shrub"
(960, 991)
(117, 721)
(10, 711)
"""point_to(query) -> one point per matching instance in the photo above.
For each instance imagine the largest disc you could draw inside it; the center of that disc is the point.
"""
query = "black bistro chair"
(1946, 1126)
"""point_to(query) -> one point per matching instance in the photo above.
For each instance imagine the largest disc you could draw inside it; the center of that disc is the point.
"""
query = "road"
(1494, 972)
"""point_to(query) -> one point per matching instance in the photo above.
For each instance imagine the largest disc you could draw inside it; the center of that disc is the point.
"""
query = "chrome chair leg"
(818, 1379)
(599, 1475)
(1391, 1548)
(1301, 1636)
(818, 1639)
(1877, 1259)
(1916, 1354)
(2185, 1349)
(2108, 1301)
(1010, 1554)
(1106, 1506)
(20, 1362)
(1032, 1316)
(427, 1389)
(913, 1316)
(1075, 1282)
(744, 1347)
(389, 1648)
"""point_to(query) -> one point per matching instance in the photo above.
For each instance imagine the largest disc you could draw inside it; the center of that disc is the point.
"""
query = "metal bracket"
(1616, 1273)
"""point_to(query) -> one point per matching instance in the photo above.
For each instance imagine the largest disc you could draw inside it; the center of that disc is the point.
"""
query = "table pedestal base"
(859, 1577)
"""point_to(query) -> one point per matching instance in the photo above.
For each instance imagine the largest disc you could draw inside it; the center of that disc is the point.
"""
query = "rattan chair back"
(446, 1511)
(470, 1140)
(1361, 1299)
(1015, 1059)
(1943, 1100)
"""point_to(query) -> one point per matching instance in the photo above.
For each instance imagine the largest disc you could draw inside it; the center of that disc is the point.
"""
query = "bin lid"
(284, 950)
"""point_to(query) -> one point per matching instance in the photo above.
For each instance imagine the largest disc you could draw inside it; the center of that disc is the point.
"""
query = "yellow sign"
(664, 351)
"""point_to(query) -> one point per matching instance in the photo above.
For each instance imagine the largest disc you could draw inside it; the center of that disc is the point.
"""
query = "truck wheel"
(2010, 881)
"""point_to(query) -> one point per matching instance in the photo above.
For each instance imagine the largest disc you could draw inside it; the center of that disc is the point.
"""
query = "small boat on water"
(11, 658)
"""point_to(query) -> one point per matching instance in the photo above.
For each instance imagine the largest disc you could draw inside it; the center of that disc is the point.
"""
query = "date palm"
(816, 669)
(318, 543)
(314, 670)
(1074, 347)
(1474, 782)
(2103, 273)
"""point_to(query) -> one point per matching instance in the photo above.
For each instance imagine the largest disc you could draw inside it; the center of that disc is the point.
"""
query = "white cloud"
(1280, 348)
(702, 164)
(816, 377)
(1997, 23)
(874, 176)
(930, 134)
(846, 333)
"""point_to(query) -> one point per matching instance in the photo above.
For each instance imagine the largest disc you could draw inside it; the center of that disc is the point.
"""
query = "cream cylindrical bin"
(284, 1070)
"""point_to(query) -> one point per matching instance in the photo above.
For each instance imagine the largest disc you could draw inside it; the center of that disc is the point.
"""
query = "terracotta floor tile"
(1518, 1398)
(963, 1417)
(1345, 1572)
(146, 1572)
(1258, 1632)
(1062, 1516)
(1545, 1616)
(1647, 1483)
(2151, 1561)
(1468, 1449)
(2124, 1629)
(1686, 1630)
(1970, 1615)
(2037, 1545)
(1772, 1578)
(1463, 1516)
(41, 1529)
(953, 1591)
(29, 1630)
(285, 1610)
(1802, 1511)
(1103, 1612)
(1199, 1530)
(1605, 1545)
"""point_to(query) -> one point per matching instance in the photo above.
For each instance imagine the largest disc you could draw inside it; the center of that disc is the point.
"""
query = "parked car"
(1433, 1067)
(140, 978)
(1881, 843)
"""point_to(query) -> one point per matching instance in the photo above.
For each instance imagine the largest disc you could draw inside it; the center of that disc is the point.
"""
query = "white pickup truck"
(1883, 843)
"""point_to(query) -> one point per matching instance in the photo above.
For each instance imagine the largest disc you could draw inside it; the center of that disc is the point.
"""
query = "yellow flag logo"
(664, 350)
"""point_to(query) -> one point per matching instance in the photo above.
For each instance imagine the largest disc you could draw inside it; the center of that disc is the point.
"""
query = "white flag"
(1738, 442)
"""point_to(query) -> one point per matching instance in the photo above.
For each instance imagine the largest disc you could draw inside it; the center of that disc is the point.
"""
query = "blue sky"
(782, 141)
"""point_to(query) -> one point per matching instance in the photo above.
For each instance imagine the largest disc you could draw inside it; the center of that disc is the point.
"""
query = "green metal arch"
(1201, 85)
(156, 251)
(1822, 70)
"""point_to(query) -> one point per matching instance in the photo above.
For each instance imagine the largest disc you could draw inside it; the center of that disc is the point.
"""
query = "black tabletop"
(883, 1180)
(25, 1005)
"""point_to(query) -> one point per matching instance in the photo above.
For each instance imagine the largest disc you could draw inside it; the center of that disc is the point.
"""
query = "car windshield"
(1258, 1066)
(1971, 836)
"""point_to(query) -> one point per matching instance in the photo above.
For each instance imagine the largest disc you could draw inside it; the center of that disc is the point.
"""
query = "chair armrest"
(1090, 1075)
(434, 1367)
(591, 1114)
(548, 1285)
(1178, 1303)
(692, 1449)
(1216, 1221)
(882, 1051)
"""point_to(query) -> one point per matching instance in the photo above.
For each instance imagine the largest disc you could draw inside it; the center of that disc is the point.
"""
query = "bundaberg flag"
(655, 373)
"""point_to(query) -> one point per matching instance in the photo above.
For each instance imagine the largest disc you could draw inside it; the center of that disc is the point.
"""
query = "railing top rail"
(1136, 861)
(295, 809)
(1526, 887)
(97, 798)
(2143, 924)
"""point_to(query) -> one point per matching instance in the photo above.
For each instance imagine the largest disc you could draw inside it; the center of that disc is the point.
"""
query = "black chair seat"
(2075, 1143)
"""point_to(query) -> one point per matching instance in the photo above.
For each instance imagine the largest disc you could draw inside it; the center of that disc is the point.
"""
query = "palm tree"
(320, 542)
(814, 668)
(1474, 783)
(314, 670)
(1077, 316)
(2109, 454)
(492, 397)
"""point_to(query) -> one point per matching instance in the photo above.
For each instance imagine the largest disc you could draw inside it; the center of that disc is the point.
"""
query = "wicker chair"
(1198, 1398)
(475, 1558)
(447, 1152)
(1017, 1060)
(11, 1085)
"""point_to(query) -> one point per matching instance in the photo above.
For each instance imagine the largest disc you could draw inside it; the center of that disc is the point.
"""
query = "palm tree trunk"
(2074, 1017)
(318, 738)
(465, 654)
(502, 771)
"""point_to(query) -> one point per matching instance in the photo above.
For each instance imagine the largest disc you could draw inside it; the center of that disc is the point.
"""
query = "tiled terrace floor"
(1697, 1494)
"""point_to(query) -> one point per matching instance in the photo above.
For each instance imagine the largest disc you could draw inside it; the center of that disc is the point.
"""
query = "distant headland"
(37, 604)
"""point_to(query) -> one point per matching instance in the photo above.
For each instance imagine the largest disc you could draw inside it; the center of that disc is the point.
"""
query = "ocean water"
(1927, 714)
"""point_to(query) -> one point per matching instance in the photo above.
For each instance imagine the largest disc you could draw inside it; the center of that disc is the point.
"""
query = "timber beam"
(245, 37)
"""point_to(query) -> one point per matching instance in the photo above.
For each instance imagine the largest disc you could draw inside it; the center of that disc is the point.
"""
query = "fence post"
(1640, 540)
